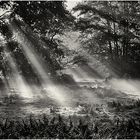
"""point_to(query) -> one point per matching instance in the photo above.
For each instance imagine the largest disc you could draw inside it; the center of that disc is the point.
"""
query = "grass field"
(95, 112)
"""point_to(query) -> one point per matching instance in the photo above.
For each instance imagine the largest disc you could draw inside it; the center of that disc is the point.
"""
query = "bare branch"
(2, 16)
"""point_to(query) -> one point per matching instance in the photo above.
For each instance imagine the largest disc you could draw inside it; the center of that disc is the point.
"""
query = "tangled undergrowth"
(123, 124)
(70, 128)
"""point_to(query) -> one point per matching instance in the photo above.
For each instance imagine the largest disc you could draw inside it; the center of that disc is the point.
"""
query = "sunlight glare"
(39, 66)
(16, 81)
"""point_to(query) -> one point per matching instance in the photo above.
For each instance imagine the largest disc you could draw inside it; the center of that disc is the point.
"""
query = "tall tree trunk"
(109, 41)
(110, 49)
(115, 41)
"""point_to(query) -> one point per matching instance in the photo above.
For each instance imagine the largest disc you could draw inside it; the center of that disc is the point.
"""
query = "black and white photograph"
(69, 69)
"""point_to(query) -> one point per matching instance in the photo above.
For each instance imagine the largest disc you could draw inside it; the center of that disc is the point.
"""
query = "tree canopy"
(111, 29)
(39, 22)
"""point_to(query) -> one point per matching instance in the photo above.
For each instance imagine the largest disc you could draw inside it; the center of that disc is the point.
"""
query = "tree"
(40, 22)
(111, 29)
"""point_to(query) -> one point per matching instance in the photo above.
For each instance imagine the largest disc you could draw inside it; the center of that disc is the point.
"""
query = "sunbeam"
(40, 67)
(95, 70)
(32, 56)
(79, 74)
(127, 86)
(16, 81)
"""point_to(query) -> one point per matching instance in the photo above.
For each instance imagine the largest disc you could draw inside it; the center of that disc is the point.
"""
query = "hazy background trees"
(111, 30)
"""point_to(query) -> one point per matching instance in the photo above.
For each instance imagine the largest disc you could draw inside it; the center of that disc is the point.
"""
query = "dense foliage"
(39, 22)
(111, 29)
